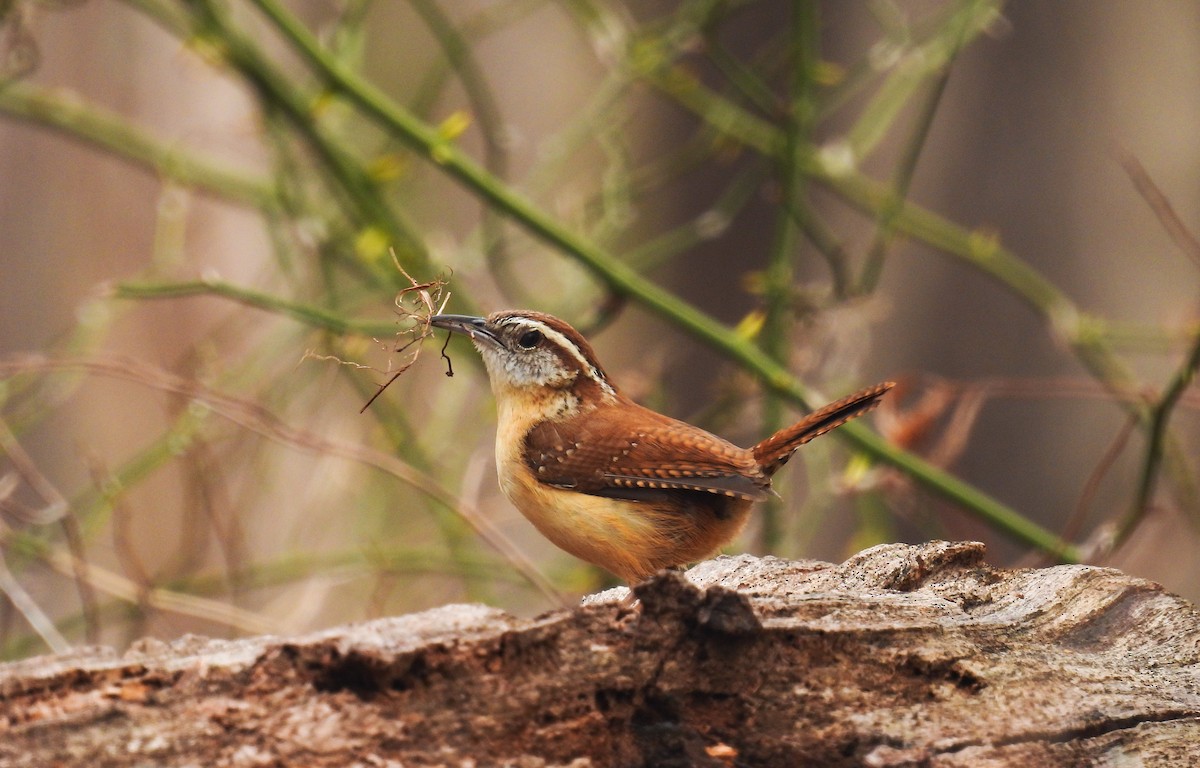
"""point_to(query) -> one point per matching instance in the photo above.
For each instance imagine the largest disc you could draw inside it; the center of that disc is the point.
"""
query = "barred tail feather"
(774, 452)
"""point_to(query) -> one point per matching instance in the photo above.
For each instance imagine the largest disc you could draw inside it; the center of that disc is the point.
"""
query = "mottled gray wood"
(901, 656)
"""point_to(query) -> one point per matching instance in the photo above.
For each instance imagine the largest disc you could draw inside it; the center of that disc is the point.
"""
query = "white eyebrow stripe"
(571, 347)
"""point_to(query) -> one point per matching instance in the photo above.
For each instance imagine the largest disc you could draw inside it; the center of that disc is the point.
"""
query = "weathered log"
(903, 655)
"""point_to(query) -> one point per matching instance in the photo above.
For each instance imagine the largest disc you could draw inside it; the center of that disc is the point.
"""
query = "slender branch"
(706, 226)
(902, 178)
(30, 610)
(1160, 418)
(70, 115)
(304, 313)
(622, 279)
(362, 199)
(486, 112)
(120, 587)
(475, 84)
(915, 64)
(780, 273)
(1158, 202)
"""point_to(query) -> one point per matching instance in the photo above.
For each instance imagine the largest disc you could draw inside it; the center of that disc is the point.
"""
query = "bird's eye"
(529, 339)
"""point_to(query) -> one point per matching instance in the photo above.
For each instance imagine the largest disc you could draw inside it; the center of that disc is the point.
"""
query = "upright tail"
(774, 452)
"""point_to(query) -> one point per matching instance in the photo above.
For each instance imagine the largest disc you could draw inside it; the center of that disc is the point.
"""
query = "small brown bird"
(613, 483)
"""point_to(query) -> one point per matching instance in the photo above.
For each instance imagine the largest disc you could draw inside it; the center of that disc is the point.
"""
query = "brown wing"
(600, 454)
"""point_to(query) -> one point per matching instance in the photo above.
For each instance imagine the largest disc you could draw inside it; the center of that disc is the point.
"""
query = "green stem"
(702, 228)
(486, 111)
(621, 279)
(69, 114)
(362, 199)
(1156, 442)
(886, 226)
(304, 313)
(780, 273)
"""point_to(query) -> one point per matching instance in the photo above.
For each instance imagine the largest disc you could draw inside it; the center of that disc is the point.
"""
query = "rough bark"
(903, 655)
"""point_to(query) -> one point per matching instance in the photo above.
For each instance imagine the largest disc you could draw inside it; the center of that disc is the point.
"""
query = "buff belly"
(632, 539)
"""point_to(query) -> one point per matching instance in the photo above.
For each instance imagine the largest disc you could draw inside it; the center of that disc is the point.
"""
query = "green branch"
(70, 115)
(309, 315)
(779, 276)
(360, 194)
(622, 279)
(1156, 442)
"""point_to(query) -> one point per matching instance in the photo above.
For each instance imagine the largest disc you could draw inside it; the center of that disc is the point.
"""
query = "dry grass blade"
(55, 509)
(28, 607)
(122, 588)
(419, 303)
(55, 504)
(1158, 203)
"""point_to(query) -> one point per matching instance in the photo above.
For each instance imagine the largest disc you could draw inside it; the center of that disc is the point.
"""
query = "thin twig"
(446, 357)
(779, 276)
(55, 509)
(28, 607)
(1160, 416)
(1158, 202)
(429, 299)
(315, 317)
(901, 180)
(255, 417)
(1158, 438)
(160, 599)
(90, 606)
(69, 114)
(1074, 524)
(127, 554)
(55, 504)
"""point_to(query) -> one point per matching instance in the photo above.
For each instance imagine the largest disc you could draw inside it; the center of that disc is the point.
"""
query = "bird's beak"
(475, 327)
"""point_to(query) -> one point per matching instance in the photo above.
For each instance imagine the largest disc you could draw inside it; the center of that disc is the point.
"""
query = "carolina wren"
(611, 482)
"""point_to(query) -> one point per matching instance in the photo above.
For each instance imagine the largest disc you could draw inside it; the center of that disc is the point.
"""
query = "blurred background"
(213, 215)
